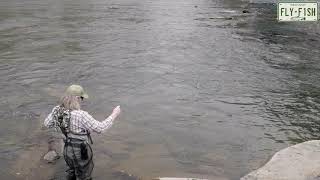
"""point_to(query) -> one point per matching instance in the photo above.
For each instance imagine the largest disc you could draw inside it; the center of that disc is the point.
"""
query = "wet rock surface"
(51, 156)
(298, 162)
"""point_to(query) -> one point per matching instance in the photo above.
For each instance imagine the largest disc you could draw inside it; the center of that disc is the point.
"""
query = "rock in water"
(51, 156)
(298, 162)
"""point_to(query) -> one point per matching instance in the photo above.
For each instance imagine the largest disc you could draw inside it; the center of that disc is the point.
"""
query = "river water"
(205, 90)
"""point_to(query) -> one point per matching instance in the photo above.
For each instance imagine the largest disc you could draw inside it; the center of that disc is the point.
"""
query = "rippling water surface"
(206, 90)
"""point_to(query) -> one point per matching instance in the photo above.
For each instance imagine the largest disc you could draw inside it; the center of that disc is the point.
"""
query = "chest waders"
(77, 152)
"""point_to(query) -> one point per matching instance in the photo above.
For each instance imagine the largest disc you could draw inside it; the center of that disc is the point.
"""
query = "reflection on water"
(206, 90)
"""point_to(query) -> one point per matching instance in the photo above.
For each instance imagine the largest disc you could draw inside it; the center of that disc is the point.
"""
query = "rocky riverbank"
(298, 162)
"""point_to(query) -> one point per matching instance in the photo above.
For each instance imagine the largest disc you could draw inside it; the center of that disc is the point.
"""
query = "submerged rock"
(298, 162)
(51, 156)
(245, 11)
(123, 176)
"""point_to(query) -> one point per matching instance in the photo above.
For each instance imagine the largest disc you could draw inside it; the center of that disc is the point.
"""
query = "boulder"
(298, 162)
(51, 156)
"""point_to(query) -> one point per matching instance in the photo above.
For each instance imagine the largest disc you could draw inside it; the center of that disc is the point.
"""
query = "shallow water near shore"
(206, 90)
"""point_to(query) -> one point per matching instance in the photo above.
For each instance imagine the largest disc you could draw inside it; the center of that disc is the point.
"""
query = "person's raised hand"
(116, 111)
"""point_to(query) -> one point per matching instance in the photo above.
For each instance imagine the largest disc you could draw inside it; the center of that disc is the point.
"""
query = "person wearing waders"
(76, 125)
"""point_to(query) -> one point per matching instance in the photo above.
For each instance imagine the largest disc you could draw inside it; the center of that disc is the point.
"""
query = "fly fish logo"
(297, 11)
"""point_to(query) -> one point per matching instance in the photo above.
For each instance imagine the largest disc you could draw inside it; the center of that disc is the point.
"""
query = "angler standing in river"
(76, 125)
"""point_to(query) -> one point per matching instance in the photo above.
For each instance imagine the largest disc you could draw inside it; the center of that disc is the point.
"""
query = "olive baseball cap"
(76, 90)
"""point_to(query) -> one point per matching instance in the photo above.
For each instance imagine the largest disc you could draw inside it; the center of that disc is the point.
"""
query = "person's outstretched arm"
(96, 126)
